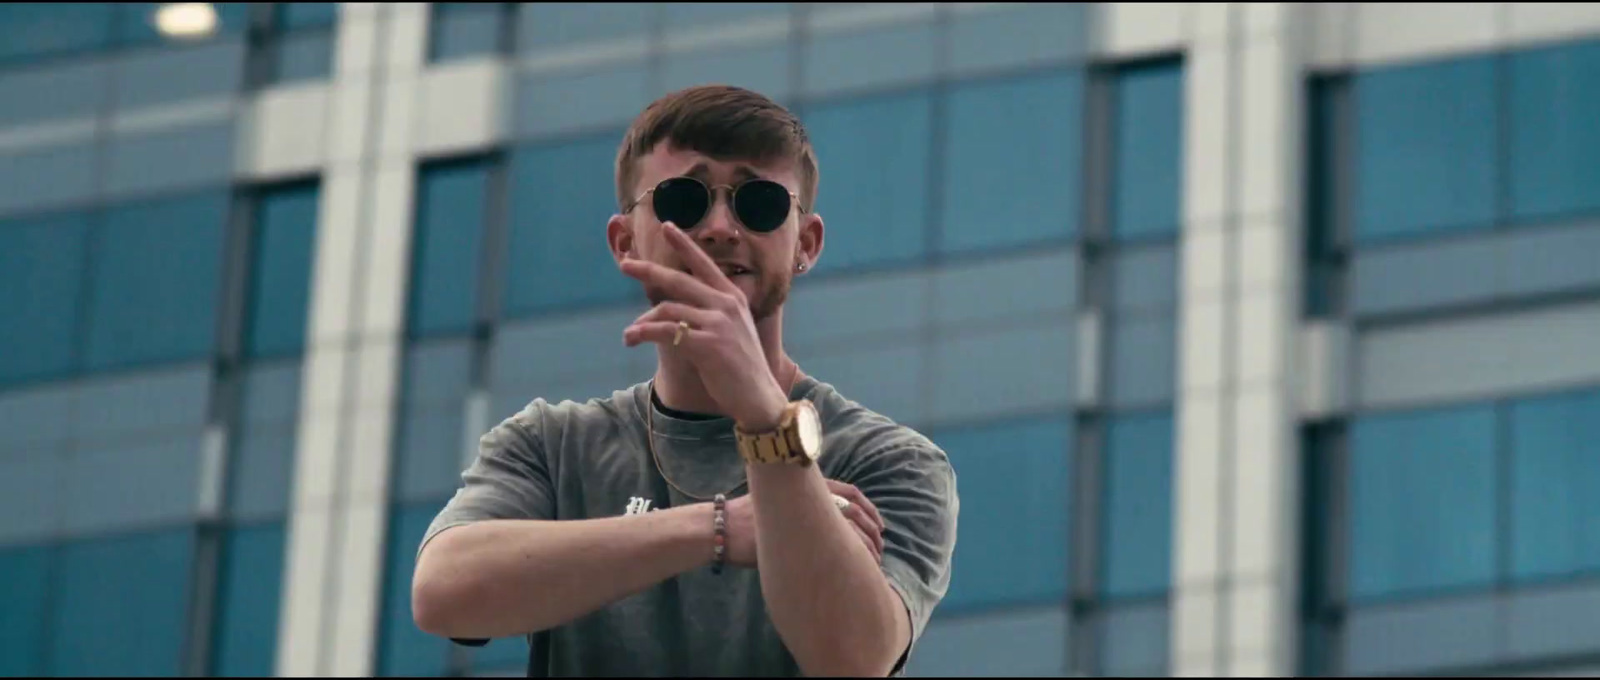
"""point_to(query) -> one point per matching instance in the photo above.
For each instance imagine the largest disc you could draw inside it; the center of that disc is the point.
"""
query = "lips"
(732, 269)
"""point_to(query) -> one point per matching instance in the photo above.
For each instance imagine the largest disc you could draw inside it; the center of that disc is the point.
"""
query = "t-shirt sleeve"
(914, 489)
(509, 479)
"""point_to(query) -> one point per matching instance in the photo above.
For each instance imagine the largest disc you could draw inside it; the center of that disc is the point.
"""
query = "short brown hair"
(723, 122)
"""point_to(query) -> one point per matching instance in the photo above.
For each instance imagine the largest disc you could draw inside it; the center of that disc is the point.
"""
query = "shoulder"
(866, 440)
(547, 424)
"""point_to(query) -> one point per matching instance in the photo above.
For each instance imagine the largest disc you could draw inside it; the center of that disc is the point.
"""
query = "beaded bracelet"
(719, 525)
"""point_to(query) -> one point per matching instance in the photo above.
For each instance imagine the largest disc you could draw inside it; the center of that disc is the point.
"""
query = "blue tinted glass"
(303, 56)
(1137, 506)
(156, 272)
(874, 196)
(280, 286)
(24, 583)
(403, 649)
(293, 15)
(544, 25)
(452, 205)
(1425, 148)
(247, 603)
(1555, 101)
(1016, 485)
(41, 268)
(38, 29)
(1013, 162)
(562, 194)
(464, 31)
(123, 605)
(1422, 501)
(136, 21)
(1555, 510)
(1149, 151)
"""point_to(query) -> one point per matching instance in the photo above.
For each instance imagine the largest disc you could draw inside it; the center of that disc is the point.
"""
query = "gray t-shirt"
(571, 461)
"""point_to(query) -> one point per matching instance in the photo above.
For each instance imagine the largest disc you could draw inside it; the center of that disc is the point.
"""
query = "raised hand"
(706, 318)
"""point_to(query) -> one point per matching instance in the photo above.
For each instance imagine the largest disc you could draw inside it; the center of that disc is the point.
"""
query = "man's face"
(761, 264)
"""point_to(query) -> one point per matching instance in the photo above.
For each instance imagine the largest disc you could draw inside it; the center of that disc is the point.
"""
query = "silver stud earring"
(800, 266)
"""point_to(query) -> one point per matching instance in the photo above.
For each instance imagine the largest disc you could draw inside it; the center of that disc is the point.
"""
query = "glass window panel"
(1555, 510)
(403, 649)
(280, 288)
(41, 268)
(24, 588)
(1422, 501)
(123, 605)
(1425, 148)
(873, 195)
(1013, 162)
(1014, 513)
(1149, 150)
(156, 273)
(1554, 101)
(1137, 532)
(30, 30)
(562, 195)
(248, 602)
(452, 206)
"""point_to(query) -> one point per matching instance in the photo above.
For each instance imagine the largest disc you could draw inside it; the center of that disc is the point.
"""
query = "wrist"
(765, 417)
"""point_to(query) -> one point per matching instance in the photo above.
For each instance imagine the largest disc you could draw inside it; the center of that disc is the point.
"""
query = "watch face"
(810, 427)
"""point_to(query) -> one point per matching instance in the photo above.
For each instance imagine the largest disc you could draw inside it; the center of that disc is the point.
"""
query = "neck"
(678, 383)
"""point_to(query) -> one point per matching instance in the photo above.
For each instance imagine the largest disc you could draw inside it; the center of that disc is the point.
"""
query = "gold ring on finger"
(677, 336)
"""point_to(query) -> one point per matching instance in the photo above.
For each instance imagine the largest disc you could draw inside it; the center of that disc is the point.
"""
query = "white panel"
(1323, 368)
(1091, 383)
(351, 116)
(1269, 18)
(1194, 635)
(1266, 249)
(284, 132)
(1255, 663)
(1543, 21)
(380, 365)
(387, 249)
(1260, 459)
(1201, 347)
(1128, 29)
(316, 460)
(407, 46)
(1205, 139)
(335, 256)
(19, 138)
(1267, 139)
(360, 572)
(300, 634)
(464, 107)
(1203, 257)
(1196, 507)
(1261, 338)
(357, 39)
(1253, 617)
(397, 117)
(1211, 23)
(1331, 33)
(1403, 31)
(1480, 356)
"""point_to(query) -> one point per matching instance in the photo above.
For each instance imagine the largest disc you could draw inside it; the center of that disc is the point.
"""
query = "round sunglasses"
(761, 205)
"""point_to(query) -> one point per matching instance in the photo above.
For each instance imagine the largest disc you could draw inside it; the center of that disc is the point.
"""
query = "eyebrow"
(701, 171)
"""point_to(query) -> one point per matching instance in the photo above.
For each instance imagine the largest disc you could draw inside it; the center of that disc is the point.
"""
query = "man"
(733, 515)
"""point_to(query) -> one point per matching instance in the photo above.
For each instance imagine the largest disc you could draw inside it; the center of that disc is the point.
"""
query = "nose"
(718, 226)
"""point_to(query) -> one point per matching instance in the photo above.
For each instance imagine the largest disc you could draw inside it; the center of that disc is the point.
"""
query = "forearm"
(513, 577)
(826, 594)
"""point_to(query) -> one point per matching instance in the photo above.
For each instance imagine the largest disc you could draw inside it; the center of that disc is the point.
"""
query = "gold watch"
(796, 441)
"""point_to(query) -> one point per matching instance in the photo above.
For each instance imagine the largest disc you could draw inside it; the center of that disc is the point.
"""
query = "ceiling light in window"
(186, 20)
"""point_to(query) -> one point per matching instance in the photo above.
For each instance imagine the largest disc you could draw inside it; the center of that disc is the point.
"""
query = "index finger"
(700, 264)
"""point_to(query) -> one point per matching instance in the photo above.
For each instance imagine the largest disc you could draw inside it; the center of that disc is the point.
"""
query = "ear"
(809, 243)
(619, 235)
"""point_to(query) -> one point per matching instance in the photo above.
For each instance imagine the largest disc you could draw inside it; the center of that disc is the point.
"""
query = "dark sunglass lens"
(762, 205)
(681, 201)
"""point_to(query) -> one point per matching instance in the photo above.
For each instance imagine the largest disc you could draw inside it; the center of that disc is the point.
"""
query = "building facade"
(1262, 337)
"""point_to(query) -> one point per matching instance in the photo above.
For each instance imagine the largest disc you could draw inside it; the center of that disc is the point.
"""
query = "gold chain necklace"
(650, 440)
